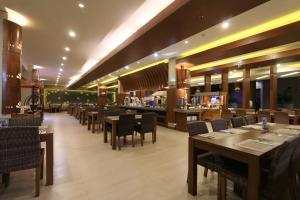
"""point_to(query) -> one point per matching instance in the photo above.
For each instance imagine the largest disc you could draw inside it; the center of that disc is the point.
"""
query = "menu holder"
(258, 145)
(235, 131)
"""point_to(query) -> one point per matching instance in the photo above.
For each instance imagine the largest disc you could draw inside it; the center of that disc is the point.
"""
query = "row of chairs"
(127, 125)
(283, 173)
(22, 140)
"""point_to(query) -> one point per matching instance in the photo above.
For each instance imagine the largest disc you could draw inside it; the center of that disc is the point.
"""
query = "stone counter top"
(160, 109)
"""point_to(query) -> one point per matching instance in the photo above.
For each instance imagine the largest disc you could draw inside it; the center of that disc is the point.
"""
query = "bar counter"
(182, 116)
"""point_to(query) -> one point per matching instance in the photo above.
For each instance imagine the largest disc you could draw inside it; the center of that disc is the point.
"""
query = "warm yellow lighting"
(273, 24)
(92, 86)
(72, 34)
(16, 17)
(290, 74)
(146, 66)
(256, 54)
(67, 48)
(64, 58)
(262, 77)
(113, 86)
(109, 80)
(81, 5)
(239, 80)
(37, 67)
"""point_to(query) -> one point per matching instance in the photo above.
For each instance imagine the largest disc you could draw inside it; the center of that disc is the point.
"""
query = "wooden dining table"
(46, 136)
(113, 120)
(227, 147)
(92, 120)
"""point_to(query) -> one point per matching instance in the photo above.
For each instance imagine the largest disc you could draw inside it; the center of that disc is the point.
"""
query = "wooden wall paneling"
(246, 87)
(102, 98)
(273, 87)
(207, 82)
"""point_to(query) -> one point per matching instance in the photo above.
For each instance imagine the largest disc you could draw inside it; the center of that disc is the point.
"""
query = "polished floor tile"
(87, 169)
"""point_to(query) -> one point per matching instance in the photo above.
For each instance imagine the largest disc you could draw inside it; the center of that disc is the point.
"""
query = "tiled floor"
(87, 169)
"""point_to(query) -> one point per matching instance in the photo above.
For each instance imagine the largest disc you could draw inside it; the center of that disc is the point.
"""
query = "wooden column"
(102, 95)
(207, 80)
(246, 87)
(225, 88)
(273, 87)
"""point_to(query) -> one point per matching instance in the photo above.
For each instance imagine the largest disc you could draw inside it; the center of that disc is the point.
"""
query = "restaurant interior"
(150, 99)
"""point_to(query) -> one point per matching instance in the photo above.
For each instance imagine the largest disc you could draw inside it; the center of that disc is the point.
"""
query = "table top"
(46, 129)
(230, 141)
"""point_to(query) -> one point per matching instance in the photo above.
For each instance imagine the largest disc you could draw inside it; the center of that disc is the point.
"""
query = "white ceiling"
(46, 36)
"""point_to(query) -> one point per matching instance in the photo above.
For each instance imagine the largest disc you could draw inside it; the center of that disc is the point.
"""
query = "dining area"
(260, 159)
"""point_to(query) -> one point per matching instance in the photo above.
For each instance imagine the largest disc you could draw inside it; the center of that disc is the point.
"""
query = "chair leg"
(133, 142)
(119, 143)
(6, 179)
(42, 167)
(205, 172)
(124, 140)
(37, 181)
(142, 139)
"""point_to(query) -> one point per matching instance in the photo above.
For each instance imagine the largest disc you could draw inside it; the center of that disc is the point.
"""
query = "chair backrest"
(125, 125)
(238, 122)
(219, 124)
(19, 148)
(148, 122)
(295, 171)
(196, 127)
(249, 119)
(111, 113)
(264, 113)
(281, 117)
(25, 122)
(279, 176)
(227, 115)
(240, 112)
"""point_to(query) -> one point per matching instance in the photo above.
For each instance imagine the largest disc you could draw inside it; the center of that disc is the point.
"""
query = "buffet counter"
(183, 116)
(160, 111)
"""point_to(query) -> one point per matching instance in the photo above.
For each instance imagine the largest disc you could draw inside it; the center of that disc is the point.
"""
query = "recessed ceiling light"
(155, 54)
(64, 58)
(62, 64)
(72, 34)
(81, 5)
(126, 67)
(186, 42)
(262, 77)
(61, 69)
(138, 62)
(239, 80)
(225, 25)
(67, 48)
(37, 67)
(278, 65)
(43, 79)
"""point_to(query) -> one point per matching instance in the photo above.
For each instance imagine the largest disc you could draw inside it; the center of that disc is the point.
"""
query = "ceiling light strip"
(273, 24)
(146, 67)
(256, 54)
(290, 74)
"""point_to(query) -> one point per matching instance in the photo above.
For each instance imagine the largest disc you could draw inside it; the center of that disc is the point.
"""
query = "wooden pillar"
(207, 80)
(273, 87)
(225, 88)
(102, 95)
(246, 87)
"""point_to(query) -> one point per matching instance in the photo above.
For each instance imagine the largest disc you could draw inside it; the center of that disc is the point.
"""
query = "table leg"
(89, 123)
(253, 179)
(84, 119)
(93, 124)
(49, 159)
(114, 130)
(104, 132)
(192, 168)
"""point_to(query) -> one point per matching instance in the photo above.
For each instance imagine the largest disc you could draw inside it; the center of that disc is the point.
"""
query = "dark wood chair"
(281, 117)
(125, 127)
(238, 122)
(23, 145)
(24, 122)
(147, 125)
(264, 113)
(219, 124)
(227, 115)
(249, 119)
(275, 178)
(295, 173)
(197, 128)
